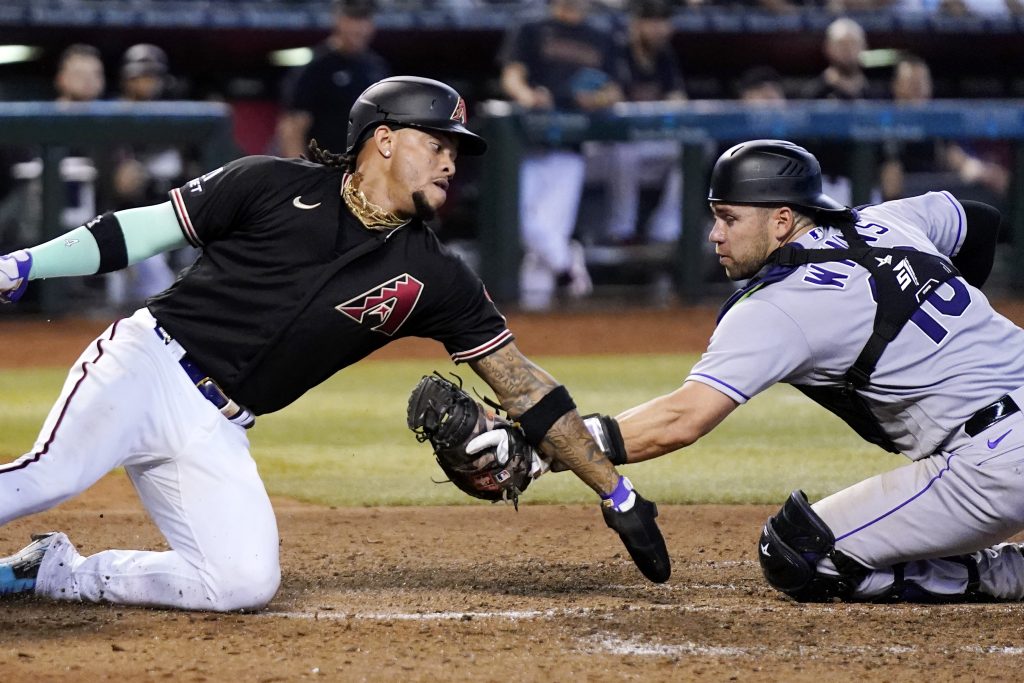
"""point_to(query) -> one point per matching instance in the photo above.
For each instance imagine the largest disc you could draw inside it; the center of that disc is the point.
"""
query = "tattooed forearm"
(517, 381)
(519, 384)
(569, 442)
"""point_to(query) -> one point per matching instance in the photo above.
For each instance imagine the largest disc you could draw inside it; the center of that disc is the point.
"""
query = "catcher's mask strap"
(536, 421)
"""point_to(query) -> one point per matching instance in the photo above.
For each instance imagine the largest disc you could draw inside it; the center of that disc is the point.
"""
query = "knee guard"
(792, 543)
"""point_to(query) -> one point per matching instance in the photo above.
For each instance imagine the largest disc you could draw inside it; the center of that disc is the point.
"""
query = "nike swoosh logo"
(992, 443)
(297, 203)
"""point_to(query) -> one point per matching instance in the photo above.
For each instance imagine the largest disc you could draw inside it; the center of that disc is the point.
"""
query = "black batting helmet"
(413, 102)
(771, 172)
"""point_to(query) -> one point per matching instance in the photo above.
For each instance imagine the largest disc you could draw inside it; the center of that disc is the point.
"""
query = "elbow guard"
(106, 230)
(606, 432)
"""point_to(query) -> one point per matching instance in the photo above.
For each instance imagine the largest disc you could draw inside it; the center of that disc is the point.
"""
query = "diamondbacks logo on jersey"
(391, 303)
(460, 112)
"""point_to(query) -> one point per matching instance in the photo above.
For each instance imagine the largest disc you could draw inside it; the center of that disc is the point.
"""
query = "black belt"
(210, 390)
(990, 415)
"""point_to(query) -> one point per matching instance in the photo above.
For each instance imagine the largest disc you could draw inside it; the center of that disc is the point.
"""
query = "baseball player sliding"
(306, 268)
(876, 315)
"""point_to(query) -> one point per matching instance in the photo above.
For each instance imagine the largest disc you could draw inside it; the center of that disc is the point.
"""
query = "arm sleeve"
(147, 231)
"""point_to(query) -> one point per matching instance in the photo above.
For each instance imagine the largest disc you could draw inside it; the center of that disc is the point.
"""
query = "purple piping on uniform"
(903, 504)
(727, 386)
(959, 217)
(53, 434)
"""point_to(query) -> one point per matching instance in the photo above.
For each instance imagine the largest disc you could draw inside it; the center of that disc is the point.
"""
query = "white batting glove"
(14, 269)
(498, 439)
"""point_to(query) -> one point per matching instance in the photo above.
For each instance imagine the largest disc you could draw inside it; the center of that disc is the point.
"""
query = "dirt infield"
(482, 593)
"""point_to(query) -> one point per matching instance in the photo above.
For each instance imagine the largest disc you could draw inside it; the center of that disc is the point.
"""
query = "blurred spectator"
(318, 96)
(761, 85)
(564, 63)
(843, 79)
(79, 79)
(143, 174)
(963, 8)
(80, 76)
(653, 75)
(910, 168)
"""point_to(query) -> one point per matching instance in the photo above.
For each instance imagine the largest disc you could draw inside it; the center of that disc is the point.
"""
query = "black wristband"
(106, 230)
(536, 421)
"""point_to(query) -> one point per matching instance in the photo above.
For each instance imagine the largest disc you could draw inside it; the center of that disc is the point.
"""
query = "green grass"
(346, 443)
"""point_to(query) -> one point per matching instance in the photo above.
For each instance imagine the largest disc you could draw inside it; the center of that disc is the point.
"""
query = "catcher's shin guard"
(792, 543)
(642, 537)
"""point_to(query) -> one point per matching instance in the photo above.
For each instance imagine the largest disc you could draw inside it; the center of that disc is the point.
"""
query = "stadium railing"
(704, 125)
(55, 128)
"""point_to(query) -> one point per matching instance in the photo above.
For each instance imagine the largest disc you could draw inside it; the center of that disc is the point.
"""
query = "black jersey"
(328, 86)
(650, 82)
(271, 309)
(564, 57)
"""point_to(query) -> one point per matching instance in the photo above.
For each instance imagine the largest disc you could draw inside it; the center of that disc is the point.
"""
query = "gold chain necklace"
(369, 214)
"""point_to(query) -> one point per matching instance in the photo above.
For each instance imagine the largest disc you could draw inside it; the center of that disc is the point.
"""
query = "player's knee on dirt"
(247, 588)
(792, 542)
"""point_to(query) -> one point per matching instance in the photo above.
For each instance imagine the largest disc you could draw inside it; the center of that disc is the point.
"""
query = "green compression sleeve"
(147, 231)
(150, 230)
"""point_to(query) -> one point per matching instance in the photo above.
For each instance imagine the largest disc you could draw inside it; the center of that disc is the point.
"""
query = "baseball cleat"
(18, 572)
(642, 538)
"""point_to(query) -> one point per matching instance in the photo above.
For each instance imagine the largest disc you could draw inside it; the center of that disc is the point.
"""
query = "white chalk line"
(610, 644)
(634, 647)
(512, 615)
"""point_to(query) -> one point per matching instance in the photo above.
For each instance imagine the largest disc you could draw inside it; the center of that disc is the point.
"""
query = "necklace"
(369, 214)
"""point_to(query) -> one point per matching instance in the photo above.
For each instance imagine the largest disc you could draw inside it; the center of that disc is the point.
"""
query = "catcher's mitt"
(442, 413)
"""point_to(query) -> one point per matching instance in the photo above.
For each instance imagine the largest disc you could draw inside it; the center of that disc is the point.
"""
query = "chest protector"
(901, 278)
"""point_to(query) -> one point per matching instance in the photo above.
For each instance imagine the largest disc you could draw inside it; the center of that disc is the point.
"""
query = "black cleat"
(642, 538)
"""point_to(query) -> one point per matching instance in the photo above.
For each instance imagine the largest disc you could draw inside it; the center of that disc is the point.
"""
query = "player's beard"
(424, 211)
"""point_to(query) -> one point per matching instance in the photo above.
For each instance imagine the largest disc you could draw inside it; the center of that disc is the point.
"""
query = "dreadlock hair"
(316, 154)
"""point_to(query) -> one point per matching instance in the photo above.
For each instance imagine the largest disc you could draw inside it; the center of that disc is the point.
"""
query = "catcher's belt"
(991, 414)
(210, 390)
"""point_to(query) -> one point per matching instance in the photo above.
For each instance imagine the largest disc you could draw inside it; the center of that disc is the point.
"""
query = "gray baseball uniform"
(956, 355)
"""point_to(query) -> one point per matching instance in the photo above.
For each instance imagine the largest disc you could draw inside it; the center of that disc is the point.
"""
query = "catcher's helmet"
(770, 172)
(413, 102)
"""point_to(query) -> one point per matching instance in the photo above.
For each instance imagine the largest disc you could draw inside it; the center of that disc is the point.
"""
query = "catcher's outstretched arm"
(520, 385)
(673, 421)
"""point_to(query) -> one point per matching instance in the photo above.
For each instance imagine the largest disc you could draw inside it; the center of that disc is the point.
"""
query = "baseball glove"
(442, 413)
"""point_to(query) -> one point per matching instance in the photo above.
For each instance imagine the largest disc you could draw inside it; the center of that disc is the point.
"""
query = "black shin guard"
(792, 543)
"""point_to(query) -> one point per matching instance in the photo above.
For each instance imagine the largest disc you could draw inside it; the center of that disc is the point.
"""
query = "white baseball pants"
(128, 403)
(550, 187)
